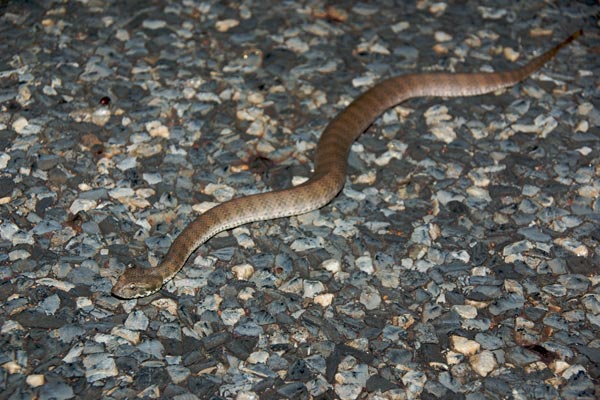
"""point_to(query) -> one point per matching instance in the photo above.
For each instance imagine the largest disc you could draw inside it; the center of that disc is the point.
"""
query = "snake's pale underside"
(329, 168)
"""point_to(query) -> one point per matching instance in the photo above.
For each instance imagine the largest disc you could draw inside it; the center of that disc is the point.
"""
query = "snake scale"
(329, 169)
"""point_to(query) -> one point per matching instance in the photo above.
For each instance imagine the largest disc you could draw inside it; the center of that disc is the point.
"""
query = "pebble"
(440, 36)
(305, 244)
(131, 336)
(466, 311)
(231, 317)
(464, 345)
(137, 321)
(99, 366)
(592, 303)
(324, 300)
(35, 380)
(371, 299)
(365, 264)
(221, 193)
(332, 265)
(226, 24)
(56, 390)
(170, 331)
(483, 363)
(243, 271)
(574, 246)
(153, 348)
(81, 205)
(154, 24)
(312, 288)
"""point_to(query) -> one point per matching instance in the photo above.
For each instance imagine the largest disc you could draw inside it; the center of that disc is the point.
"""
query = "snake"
(330, 165)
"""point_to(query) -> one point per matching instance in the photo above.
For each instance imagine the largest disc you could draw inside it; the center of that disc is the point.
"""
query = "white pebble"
(127, 163)
(154, 24)
(131, 336)
(137, 321)
(208, 97)
(574, 246)
(465, 311)
(243, 271)
(152, 178)
(226, 24)
(8, 230)
(81, 205)
(332, 265)
(370, 298)
(4, 159)
(122, 35)
(258, 357)
(19, 124)
(324, 300)
(365, 264)
(307, 244)
(365, 80)
(35, 380)
(483, 363)
(297, 45)
(464, 346)
(100, 116)
(312, 288)
(441, 36)
(231, 316)
(121, 193)
(18, 255)
(220, 192)
(157, 129)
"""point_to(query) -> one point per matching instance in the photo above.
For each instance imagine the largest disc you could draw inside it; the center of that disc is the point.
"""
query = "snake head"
(136, 282)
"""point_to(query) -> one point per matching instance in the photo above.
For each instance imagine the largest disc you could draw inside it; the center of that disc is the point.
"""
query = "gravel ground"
(461, 261)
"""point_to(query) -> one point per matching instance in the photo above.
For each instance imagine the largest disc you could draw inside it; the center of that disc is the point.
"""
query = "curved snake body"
(329, 169)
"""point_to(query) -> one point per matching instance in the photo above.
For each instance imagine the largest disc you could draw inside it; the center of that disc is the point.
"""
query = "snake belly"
(329, 168)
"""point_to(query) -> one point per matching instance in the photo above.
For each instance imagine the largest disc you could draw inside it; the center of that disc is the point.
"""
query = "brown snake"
(330, 165)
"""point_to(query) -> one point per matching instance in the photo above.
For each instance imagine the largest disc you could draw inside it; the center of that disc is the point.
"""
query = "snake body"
(329, 168)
